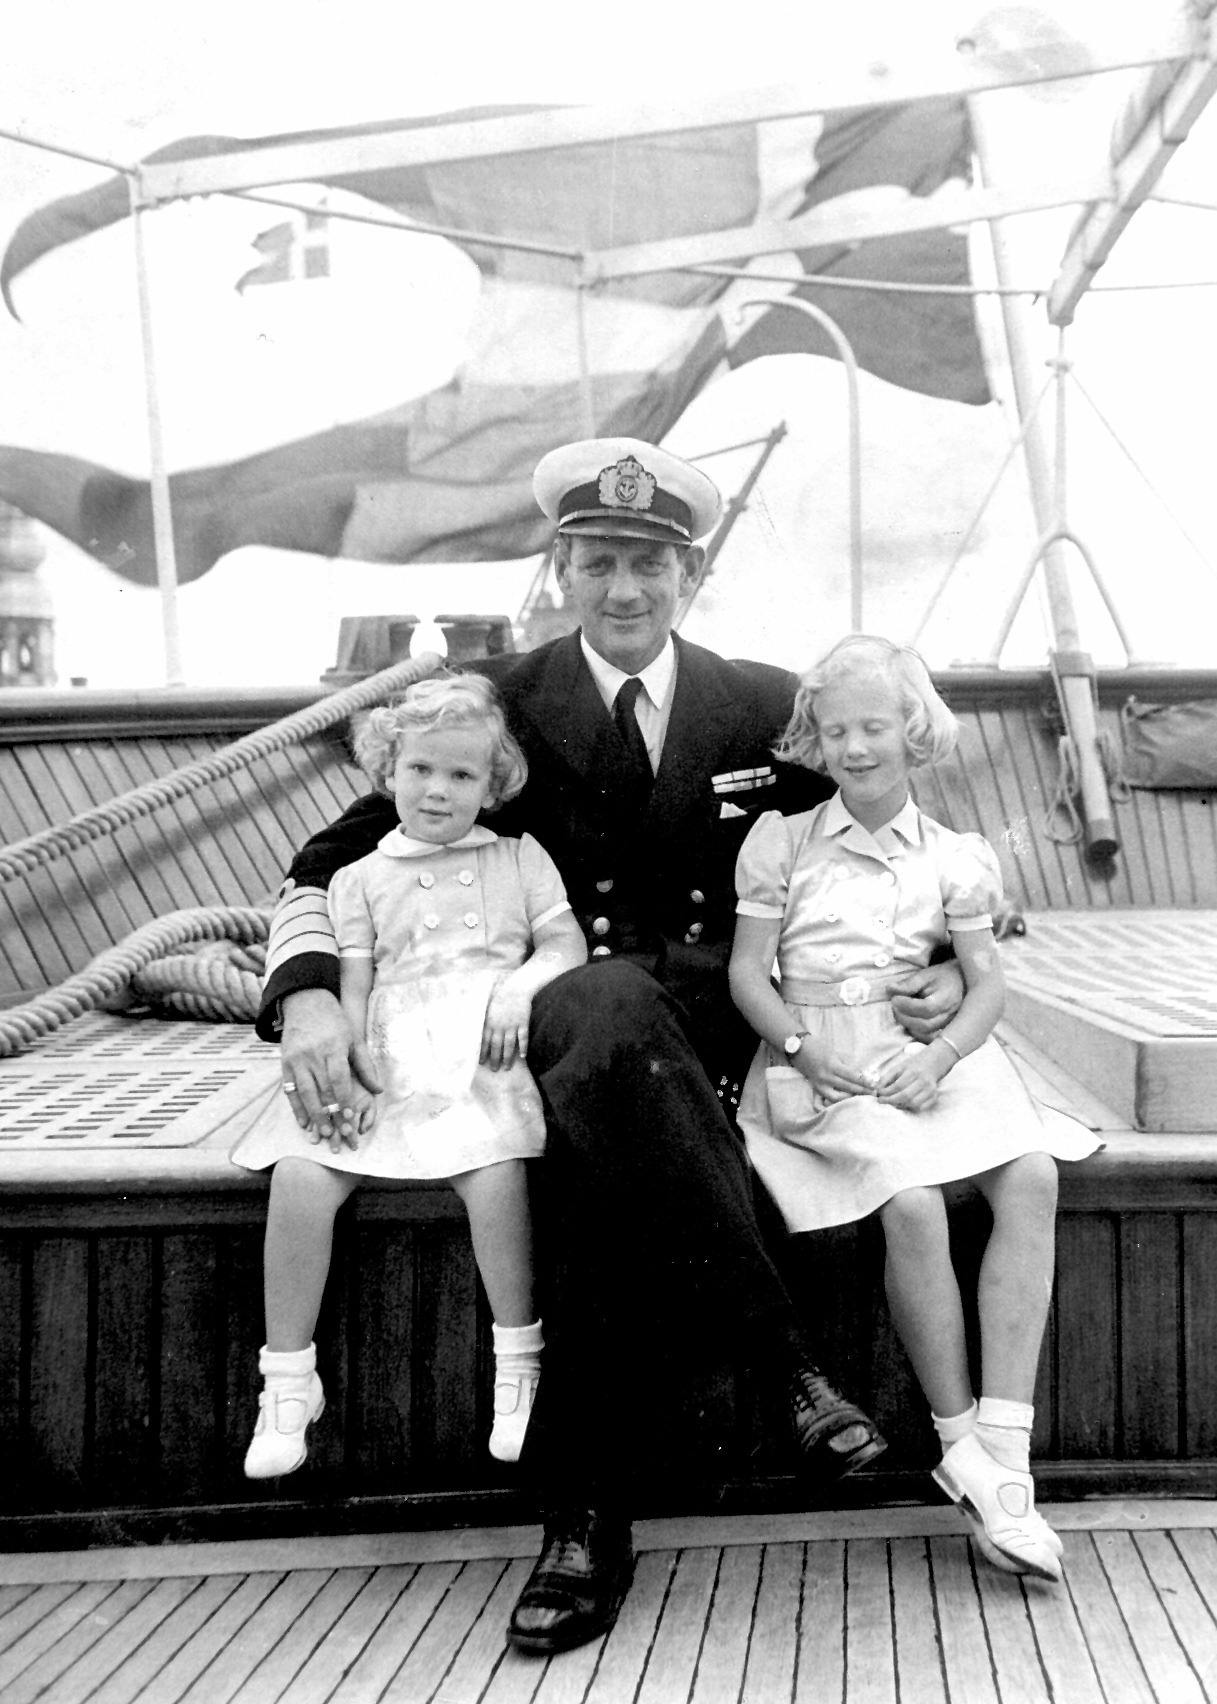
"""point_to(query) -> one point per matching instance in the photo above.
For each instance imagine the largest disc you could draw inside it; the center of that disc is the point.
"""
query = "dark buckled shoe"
(578, 1585)
(832, 1435)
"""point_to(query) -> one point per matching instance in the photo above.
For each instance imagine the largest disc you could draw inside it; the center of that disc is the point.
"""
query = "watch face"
(792, 1044)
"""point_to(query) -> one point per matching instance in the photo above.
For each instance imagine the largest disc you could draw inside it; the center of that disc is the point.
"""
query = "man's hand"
(911, 1081)
(318, 1054)
(928, 999)
(505, 1031)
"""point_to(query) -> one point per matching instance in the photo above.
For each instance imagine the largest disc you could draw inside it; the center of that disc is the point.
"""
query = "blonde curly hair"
(441, 701)
(930, 730)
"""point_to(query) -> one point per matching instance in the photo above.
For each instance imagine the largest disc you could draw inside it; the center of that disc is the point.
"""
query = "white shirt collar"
(904, 826)
(656, 678)
(399, 845)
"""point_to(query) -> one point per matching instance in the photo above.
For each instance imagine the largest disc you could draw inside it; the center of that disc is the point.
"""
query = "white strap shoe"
(513, 1399)
(999, 1503)
(286, 1408)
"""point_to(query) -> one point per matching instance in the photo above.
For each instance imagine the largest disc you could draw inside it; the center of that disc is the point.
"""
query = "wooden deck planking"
(858, 1620)
(773, 1647)
(124, 1635)
(624, 1654)
(52, 1622)
(1012, 1645)
(1115, 1659)
(212, 1637)
(672, 1663)
(482, 1651)
(916, 1622)
(966, 1655)
(273, 1675)
(140, 1676)
(1199, 1553)
(723, 1656)
(416, 1644)
(820, 1671)
(1062, 1644)
(24, 1612)
(290, 1600)
(1189, 1615)
(357, 1626)
(1170, 1675)
(73, 1660)
(870, 1652)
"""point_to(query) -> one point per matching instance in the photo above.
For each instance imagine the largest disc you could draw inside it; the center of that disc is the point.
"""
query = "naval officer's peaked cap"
(627, 488)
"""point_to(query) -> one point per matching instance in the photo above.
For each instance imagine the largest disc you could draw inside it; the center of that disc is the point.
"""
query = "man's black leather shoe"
(832, 1435)
(578, 1585)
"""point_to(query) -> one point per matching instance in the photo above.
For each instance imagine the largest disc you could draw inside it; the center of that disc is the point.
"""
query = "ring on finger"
(290, 1089)
(333, 1106)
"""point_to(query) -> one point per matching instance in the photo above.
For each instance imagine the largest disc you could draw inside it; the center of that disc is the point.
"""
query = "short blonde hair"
(446, 700)
(930, 730)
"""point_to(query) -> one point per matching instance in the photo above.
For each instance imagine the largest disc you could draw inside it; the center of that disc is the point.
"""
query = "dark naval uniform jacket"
(655, 882)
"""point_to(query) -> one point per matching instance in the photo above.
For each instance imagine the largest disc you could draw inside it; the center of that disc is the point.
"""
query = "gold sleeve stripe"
(301, 924)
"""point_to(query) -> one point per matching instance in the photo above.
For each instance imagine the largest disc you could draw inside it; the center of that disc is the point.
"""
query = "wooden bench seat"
(130, 1317)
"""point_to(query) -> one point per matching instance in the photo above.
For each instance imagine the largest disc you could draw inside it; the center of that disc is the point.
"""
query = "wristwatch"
(792, 1043)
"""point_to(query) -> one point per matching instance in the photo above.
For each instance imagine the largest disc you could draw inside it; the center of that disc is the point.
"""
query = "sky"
(118, 82)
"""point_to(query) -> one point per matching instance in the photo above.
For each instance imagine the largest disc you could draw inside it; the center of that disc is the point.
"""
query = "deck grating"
(110, 1082)
(1150, 971)
(895, 1605)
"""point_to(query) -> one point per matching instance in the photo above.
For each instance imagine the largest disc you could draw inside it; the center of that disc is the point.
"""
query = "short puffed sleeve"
(971, 883)
(350, 914)
(544, 895)
(762, 869)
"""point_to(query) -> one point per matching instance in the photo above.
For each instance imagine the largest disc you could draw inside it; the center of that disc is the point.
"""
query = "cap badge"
(627, 485)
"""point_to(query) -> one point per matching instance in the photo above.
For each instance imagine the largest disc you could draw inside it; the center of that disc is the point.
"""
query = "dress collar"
(904, 827)
(656, 678)
(398, 845)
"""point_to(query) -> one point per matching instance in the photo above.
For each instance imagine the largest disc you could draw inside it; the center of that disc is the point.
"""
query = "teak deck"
(876, 1607)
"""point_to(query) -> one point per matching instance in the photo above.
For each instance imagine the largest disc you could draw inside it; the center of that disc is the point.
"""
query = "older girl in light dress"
(845, 1116)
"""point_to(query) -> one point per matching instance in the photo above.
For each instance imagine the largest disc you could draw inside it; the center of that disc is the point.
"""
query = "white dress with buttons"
(856, 910)
(441, 924)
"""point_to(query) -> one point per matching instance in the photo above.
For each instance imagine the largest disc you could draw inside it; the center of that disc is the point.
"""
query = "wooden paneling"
(1005, 777)
(128, 1355)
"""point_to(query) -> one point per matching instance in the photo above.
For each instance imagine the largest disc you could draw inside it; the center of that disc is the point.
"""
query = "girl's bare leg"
(1016, 1274)
(304, 1197)
(987, 1473)
(496, 1200)
(923, 1295)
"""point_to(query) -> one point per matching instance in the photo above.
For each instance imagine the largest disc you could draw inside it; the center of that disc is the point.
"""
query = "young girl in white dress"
(445, 933)
(844, 1115)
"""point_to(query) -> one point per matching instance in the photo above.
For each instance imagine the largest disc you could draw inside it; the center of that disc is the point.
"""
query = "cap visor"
(615, 525)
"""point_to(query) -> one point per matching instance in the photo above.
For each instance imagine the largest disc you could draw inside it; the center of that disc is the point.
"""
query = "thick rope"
(44, 847)
(112, 970)
(221, 982)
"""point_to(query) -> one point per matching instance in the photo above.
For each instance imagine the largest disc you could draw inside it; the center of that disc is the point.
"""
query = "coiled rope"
(222, 981)
(106, 976)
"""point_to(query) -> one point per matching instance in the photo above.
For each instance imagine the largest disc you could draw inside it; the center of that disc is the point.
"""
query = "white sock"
(287, 1363)
(517, 1349)
(1004, 1428)
(952, 1427)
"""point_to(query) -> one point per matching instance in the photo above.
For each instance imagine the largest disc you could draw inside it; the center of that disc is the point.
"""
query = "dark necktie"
(638, 764)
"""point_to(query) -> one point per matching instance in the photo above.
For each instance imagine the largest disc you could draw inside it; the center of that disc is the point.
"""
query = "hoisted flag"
(447, 476)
